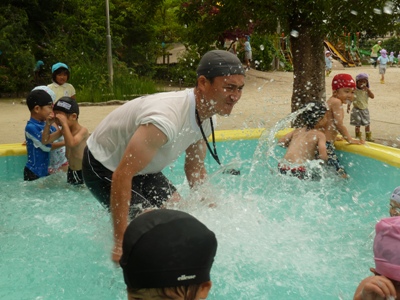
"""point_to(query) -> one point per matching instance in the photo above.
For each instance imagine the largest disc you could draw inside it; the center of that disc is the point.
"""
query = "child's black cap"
(167, 248)
(67, 105)
(38, 97)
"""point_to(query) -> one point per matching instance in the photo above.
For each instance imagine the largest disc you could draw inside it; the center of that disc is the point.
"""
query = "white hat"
(396, 195)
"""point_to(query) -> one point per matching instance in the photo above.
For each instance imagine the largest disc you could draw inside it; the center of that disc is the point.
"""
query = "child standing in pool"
(385, 283)
(360, 113)
(60, 86)
(306, 143)
(66, 112)
(40, 105)
(343, 86)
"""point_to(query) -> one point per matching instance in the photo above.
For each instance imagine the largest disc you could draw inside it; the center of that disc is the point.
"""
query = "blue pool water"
(278, 237)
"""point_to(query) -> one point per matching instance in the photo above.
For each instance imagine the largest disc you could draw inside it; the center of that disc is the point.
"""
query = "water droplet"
(353, 12)
(262, 47)
(294, 33)
(377, 11)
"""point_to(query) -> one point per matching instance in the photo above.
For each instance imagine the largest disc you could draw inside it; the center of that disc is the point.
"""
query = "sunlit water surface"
(278, 237)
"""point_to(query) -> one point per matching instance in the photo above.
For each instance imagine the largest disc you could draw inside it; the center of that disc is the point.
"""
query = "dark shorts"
(150, 190)
(29, 175)
(333, 161)
(74, 177)
(299, 172)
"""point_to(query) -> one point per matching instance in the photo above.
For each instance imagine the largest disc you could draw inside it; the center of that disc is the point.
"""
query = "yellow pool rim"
(388, 155)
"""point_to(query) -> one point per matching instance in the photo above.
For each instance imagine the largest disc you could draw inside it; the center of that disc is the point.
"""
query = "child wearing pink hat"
(383, 60)
(343, 86)
(385, 283)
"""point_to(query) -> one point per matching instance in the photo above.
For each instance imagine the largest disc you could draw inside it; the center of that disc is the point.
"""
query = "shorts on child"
(359, 117)
(299, 172)
(382, 69)
(333, 161)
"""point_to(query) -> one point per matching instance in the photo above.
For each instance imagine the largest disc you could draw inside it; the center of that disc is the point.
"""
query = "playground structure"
(344, 49)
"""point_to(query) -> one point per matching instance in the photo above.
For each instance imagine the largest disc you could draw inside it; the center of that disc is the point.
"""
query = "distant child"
(167, 254)
(328, 62)
(382, 61)
(395, 203)
(40, 105)
(66, 112)
(385, 283)
(360, 113)
(343, 86)
(398, 58)
(306, 143)
(60, 86)
(391, 59)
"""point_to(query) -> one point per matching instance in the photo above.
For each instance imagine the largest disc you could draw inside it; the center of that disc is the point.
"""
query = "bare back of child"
(306, 143)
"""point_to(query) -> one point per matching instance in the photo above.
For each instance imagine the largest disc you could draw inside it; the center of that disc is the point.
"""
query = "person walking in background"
(391, 59)
(38, 73)
(328, 63)
(374, 52)
(382, 61)
(360, 114)
(60, 86)
(248, 55)
(167, 254)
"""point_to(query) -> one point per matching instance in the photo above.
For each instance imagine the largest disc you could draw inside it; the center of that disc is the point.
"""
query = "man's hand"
(117, 252)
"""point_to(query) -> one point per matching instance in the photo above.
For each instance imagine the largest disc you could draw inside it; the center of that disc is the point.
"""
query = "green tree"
(307, 23)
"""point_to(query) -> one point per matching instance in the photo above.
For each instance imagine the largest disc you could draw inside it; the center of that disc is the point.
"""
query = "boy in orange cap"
(343, 86)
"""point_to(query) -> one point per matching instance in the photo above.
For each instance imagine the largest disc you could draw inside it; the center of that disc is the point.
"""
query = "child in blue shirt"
(40, 104)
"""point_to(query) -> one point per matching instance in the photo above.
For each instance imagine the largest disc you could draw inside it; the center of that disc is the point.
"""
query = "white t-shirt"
(65, 90)
(172, 112)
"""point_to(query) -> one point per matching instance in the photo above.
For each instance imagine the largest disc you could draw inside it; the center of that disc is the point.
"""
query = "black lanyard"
(213, 153)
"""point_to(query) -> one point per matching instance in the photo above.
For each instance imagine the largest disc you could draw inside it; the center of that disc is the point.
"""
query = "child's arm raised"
(71, 140)
(47, 137)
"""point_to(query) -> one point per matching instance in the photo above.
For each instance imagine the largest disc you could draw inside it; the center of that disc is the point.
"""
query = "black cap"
(217, 63)
(38, 97)
(167, 248)
(67, 105)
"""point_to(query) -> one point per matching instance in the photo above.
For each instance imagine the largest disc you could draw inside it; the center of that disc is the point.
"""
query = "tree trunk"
(308, 58)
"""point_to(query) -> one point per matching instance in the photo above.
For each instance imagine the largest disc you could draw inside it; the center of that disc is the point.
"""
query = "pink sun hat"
(387, 248)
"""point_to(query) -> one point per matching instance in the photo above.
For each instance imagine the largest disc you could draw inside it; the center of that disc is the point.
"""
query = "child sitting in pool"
(167, 254)
(385, 283)
(343, 86)
(305, 143)
(395, 203)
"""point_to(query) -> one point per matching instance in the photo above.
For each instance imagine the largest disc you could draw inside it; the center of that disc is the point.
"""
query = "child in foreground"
(167, 254)
(66, 111)
(385, 283)
(360, 113)
(306, 143)
(395, 203)
(343, 86)
(40, 105)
